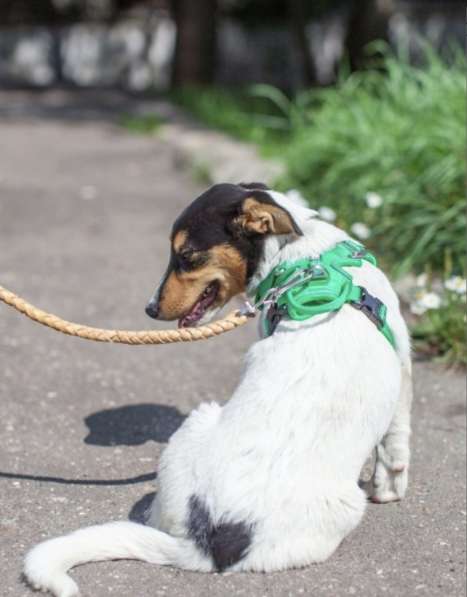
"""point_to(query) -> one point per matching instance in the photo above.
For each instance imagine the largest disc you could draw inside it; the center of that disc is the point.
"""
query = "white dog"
(270, 480)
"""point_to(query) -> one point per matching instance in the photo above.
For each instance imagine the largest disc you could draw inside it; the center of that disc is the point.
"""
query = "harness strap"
(376, 311)
(309, 287)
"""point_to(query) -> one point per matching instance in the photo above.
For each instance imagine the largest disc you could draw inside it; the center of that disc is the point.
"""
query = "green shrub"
(397, 131)
(142, 125)
(240, 114)
(440, 328)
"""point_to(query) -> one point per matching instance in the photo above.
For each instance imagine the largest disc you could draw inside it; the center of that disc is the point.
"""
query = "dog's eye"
(185, 258)
(190, 259)
(187, 254)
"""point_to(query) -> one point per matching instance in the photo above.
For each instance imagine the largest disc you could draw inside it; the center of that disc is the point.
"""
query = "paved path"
(85, 211)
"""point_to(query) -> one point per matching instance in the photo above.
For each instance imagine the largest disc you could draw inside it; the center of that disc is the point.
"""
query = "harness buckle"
(371, 306)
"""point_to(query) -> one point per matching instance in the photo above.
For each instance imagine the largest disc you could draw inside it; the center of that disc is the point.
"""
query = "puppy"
(270, 480)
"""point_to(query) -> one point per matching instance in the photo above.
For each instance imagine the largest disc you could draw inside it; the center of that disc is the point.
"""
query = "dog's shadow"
(133, 425)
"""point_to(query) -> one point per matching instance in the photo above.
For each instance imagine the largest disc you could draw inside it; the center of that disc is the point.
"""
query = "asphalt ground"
(85, 214)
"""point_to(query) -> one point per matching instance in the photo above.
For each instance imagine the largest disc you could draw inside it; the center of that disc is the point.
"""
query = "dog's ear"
(260, 214)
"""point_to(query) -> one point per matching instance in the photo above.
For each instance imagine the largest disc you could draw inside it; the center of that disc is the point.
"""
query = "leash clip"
(314, 271)
(247, 309)
(273, 295)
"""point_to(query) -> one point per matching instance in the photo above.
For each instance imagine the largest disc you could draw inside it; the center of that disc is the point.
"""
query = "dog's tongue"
(199, 308)
(192, 317)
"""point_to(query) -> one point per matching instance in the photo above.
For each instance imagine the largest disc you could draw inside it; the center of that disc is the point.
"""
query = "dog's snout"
(152, 309)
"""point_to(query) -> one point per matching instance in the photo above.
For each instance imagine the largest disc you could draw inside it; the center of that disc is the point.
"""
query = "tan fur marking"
(228, 260)
(178, 296)
(181, 290)
(263, 218)
(179, 240)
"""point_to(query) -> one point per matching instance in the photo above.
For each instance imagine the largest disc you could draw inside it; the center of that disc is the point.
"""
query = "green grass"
(240, 114)
(441, 332)
(398, 131)
(142, 125)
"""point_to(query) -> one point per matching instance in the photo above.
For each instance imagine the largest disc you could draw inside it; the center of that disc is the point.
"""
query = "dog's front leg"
(390, 477)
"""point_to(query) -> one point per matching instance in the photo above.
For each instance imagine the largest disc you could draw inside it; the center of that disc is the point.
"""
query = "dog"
(268, 481)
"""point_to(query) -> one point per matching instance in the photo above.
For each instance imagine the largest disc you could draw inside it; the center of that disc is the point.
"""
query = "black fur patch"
(226, 542)
(254, 185)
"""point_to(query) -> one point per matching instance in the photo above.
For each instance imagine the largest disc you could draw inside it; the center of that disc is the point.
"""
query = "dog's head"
(216, 244)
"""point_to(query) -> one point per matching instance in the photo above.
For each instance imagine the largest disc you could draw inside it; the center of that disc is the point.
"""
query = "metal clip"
(247, 309)
(274, 294)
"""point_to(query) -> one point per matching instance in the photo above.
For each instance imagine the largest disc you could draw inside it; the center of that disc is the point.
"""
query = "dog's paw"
(389, 483)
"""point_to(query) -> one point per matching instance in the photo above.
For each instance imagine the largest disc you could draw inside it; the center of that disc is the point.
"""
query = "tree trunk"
(368, 21)
(195, 49)
(298, 23)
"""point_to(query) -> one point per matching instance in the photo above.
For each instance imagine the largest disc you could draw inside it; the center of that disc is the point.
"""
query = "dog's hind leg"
(176, 469)
(390, 477)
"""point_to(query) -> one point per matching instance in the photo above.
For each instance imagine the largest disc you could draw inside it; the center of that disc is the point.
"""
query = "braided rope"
(232, 321)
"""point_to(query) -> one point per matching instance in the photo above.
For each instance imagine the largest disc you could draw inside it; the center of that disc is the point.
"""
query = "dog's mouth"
(199, 309)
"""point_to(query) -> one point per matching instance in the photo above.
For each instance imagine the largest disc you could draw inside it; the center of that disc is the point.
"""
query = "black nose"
(152, 309)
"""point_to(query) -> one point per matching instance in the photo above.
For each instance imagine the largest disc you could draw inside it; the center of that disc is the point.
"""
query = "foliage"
(397, 131)
(441, 331)
(385, 149)
(142, 125)
(241, 114)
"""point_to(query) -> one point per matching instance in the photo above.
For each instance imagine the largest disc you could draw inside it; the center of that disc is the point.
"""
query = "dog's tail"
(47, 564)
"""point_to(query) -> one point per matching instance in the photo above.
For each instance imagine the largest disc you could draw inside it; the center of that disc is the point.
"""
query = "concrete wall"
(137, 54)
(134, 55)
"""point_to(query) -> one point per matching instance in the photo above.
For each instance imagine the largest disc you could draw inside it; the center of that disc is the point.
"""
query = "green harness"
(308, 287)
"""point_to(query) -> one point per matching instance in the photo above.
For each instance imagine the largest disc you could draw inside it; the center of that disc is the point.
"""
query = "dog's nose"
(152, 309)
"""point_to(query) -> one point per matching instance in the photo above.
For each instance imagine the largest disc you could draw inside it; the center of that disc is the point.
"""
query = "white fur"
(286, 451)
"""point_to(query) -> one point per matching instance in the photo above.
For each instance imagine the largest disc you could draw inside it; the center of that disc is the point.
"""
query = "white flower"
(431, 300)
(425, 300)
(360, 230)
(416, 308)
(422, 280)
(373, 200)
(297, 197)
(456, 284)
(327, 214)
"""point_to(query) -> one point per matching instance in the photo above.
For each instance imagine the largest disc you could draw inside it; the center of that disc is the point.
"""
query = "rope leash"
(232, 321)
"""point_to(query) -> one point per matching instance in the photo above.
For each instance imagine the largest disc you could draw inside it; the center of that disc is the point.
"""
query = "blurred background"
(161, 44)
(359, 107)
